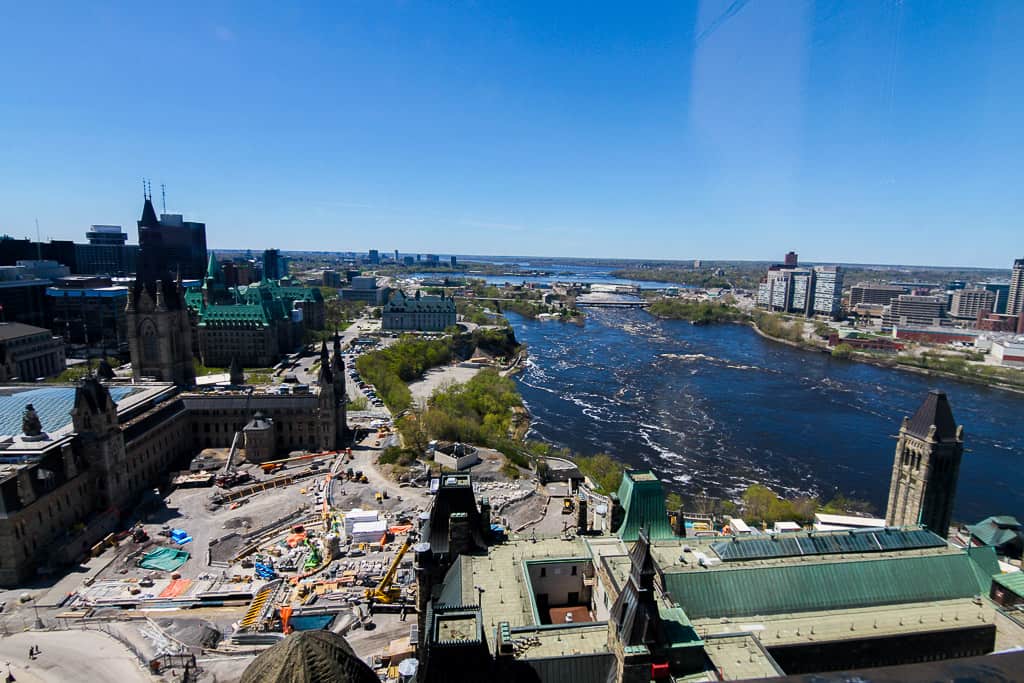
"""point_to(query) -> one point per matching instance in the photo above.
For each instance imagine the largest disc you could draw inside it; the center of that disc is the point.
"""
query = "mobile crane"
(385, 591)
(228, 476)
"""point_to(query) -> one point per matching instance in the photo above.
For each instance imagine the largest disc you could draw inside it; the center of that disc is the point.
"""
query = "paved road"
(82, 656)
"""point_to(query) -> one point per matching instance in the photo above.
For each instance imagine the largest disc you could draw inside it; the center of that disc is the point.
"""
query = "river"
(560, 272)
(715, 408)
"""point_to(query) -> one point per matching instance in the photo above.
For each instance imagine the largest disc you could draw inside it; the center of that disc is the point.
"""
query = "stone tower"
(327, 424)
(926, 467)
(340, 393)
(159, 333)
(94, 417)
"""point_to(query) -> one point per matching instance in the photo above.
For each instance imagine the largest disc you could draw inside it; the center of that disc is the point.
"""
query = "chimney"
(485, 517)
(581, 515)
(460, 536)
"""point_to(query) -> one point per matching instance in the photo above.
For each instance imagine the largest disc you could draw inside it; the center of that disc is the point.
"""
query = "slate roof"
(309, 657)
(148, 219)
(592, 668)
(806, 587)
(451, 589)
(934, 411)
(454, 495)
(635, 612)
(18, 330)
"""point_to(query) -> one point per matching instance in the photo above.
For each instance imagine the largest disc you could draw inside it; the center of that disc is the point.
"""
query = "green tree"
(603, 470)
(842, 351)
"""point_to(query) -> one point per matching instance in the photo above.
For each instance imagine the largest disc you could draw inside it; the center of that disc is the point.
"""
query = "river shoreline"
(892, 365)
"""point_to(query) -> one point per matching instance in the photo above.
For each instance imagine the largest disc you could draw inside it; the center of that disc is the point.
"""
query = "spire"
(337, 364)
(635, 612)
(935, 411)
(237, 376)
(325, 376)
(213, 271)
(149, 219)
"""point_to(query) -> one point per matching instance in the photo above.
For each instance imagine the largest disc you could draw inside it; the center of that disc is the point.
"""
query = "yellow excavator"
(385, 591)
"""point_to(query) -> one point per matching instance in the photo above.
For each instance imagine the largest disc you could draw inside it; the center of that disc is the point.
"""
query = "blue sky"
(883, 132)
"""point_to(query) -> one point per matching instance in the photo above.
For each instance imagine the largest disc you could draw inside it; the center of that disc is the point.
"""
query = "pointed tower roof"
(237, 376)
(934, 411)
(213, 269)
(337, 364)
(325, 376)
(103, 370)
(635, 612)
(149, 219)
(91, 395)
(309, 657)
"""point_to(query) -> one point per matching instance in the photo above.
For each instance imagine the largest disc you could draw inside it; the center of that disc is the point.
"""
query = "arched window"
(148, 334)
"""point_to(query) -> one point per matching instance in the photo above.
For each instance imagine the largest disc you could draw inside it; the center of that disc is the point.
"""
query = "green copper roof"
(1013, 582)
(237, 314)
(997, 531)
(245, 305)
(643, 499)
(213, 268)
(806, 587)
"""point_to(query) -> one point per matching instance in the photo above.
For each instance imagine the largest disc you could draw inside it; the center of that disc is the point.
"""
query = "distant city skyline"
(880, 132)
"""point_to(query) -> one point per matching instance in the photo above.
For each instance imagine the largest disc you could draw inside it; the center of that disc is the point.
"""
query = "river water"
(715, 408)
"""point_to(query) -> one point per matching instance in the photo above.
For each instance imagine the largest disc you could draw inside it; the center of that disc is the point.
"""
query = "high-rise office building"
(828, 290)
(1015, 298)
(170, 246)
(915, 310)
(968, 303)
(810, 291)
(272, 264)
(1002, 291)
(868, 293)
(454, 262)
(791, 260)
(374, 256)
(107, 235)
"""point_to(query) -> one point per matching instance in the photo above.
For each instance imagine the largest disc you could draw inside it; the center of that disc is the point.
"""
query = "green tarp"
(164, 559)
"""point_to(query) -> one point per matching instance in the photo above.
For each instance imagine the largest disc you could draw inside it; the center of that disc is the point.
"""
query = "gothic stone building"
(255, 324)
(926, 467)
(423, 313)
(64, 490)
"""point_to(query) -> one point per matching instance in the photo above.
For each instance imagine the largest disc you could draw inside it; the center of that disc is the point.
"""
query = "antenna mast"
(163, 196)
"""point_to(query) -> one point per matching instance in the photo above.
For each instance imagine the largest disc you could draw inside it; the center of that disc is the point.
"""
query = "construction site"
(321, 566)
(235, 555)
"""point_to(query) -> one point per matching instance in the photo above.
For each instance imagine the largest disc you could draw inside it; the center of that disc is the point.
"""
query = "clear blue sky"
(858, 131)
